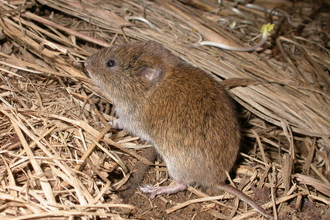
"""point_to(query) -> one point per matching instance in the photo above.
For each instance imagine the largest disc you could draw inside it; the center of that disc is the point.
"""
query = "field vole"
(184, 112)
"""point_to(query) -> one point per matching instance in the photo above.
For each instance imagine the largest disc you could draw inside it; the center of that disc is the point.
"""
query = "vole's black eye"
(111, 63)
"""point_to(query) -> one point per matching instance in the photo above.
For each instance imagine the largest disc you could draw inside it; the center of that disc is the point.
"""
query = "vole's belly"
(129, 121)
(135, 130)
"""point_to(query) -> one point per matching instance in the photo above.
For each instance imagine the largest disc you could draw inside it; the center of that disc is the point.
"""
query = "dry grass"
(56, 156)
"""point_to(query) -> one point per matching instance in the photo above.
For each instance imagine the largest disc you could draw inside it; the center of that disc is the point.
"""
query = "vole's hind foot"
(163, 190)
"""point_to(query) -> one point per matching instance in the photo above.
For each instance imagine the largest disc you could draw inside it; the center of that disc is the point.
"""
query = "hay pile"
(59, 160)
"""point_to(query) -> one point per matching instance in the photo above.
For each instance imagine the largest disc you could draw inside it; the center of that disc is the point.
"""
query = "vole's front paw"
(115, 124)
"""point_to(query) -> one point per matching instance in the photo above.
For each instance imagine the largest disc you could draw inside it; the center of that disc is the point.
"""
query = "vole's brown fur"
(184, 112)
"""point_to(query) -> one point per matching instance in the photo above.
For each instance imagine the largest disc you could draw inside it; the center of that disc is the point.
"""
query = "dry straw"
(52, 144)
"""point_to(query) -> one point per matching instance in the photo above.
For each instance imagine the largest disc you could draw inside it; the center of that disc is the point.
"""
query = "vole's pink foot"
(163, 190)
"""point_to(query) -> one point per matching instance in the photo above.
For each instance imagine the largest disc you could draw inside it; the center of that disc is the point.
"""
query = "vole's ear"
(152, 74)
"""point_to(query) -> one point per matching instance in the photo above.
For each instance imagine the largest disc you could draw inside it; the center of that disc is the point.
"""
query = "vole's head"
(129, 71)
